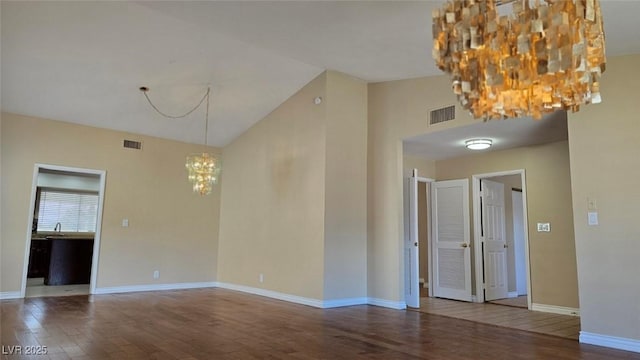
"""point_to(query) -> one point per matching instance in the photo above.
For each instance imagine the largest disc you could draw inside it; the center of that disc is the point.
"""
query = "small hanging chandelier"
(544, 57)
(203, 168)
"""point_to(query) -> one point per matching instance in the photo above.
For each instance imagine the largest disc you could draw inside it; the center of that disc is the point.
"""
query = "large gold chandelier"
(543, 57)
(203, 168)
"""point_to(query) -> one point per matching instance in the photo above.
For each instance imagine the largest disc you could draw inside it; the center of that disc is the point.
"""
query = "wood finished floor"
(506, 316)
(222, 324)
(520, 301)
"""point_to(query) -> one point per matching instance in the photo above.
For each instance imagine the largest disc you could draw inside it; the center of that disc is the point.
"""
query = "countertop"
(62, 236)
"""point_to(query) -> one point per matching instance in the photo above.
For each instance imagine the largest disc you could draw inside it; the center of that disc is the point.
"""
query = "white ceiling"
(84, 61)
(505, 134)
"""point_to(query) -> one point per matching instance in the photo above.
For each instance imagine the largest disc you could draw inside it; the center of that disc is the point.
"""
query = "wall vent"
(132, 144)
(443, 114)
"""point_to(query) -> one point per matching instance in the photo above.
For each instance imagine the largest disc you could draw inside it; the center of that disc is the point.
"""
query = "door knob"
(415, 244)
(464, 245)
(506, 246)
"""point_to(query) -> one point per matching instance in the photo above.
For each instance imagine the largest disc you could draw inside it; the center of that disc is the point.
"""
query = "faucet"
(58, 227)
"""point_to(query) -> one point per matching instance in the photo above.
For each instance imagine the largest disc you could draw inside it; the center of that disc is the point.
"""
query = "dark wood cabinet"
(70, 262)
(39, 258)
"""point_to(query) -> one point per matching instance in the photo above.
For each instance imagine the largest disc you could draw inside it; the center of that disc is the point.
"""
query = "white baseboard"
(555, 309)
(610, 341)
(273, 294)
(327, 304)
(322, 304)
(153, 287)
(5, 295)
(512, 294)
(398, 305)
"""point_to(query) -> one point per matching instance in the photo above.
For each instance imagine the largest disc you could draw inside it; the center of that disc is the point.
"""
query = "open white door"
(495, 242)
(451, 240)
(412, 275)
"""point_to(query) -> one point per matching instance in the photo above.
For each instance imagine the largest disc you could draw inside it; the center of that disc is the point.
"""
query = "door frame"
(96, 241)
(475, 180)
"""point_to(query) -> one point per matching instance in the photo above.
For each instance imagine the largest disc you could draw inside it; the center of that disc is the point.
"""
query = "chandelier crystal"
(544, 57)
(204, 170)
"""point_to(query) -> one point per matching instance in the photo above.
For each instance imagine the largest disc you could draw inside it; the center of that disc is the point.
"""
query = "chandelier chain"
(206, 122)
(206, 96)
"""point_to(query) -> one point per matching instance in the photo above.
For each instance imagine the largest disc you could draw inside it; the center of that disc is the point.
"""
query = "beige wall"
(170, 228)
(604, 146)
(345, 228)
(426, 168)
(272, 209)
(294, 201)
(397, 110)
(552, 255)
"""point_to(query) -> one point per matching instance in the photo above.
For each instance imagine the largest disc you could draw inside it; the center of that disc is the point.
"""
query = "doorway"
(500, 227)
(63, 239)
(500, 254)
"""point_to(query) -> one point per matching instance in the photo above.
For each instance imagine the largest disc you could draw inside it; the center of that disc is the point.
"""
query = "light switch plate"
(544, 227)
(593, 218)
(125, 222)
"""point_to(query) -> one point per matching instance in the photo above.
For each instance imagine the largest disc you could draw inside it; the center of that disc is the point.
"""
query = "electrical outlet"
(156, 274)
(261, 277)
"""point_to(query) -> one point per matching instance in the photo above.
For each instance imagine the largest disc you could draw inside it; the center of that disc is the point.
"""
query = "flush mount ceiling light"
(547, 55)
(478, 144)
(203, 168)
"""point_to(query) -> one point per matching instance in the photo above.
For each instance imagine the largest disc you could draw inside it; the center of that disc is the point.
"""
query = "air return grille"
(132, 144)
(442, 115)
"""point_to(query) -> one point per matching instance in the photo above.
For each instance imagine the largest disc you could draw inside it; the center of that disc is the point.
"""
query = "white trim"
(610, 341)
(398, 305)
(27, 250)
(562, 310)
(273, 294)
(327, 304)
(154, 287)
(512, 294)
(474, 298)
(98, 234)
(5, 295)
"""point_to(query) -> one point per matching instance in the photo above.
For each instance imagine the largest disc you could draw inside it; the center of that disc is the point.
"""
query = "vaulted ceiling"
(83, 62)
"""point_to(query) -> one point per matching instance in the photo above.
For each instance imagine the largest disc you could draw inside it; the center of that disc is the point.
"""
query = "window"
(76, 212)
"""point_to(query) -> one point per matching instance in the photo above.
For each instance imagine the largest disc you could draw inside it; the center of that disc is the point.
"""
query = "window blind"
(76, 212)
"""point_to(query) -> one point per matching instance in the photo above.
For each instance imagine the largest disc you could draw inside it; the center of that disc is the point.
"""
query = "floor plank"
(222, 324)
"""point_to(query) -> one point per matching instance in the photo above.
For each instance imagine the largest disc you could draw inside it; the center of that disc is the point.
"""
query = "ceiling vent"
(442, 115)
(132, 144)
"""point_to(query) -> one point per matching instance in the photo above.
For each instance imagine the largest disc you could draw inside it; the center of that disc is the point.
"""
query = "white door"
(493, 235)
(518, 242)
(412, 276)
(451, 240)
